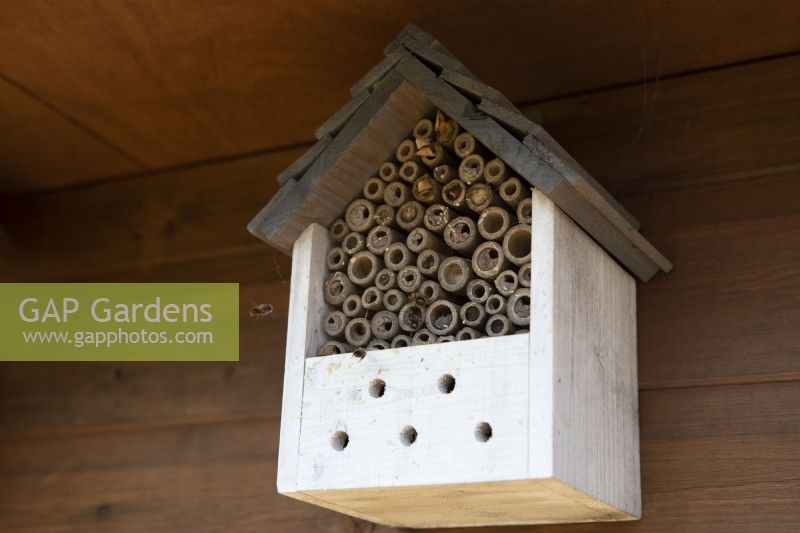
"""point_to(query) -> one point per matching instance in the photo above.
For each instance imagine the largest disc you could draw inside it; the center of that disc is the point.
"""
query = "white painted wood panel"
(303, 338)
(491, 386)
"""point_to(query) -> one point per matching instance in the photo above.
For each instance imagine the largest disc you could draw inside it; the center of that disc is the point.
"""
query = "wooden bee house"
(537, 427)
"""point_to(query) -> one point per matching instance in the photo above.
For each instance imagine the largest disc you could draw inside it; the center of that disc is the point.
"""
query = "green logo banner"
(119, 321)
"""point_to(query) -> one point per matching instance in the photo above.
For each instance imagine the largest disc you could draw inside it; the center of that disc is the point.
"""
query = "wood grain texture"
(583, 415)
(731, 124)
(147, 222)
(29, 158)
(713, 458)
(708, 162)
(186, 81)
(46, 399)
(304, 336)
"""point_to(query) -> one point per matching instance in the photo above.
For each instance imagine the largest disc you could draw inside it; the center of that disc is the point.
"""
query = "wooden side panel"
(490, 388)
(590, 319)
(303, 338)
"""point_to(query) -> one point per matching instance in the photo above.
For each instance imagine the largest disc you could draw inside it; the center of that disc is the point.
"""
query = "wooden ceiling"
(96, 90)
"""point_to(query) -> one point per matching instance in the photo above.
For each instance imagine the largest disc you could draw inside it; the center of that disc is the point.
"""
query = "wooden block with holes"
(521, 429)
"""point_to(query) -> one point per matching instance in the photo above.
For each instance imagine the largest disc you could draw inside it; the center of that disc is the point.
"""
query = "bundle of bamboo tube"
(436, 250)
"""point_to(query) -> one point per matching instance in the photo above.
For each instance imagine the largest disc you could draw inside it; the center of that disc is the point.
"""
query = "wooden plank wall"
(707, 161)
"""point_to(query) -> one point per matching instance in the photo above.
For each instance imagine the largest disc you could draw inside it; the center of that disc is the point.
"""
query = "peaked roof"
(418, 74)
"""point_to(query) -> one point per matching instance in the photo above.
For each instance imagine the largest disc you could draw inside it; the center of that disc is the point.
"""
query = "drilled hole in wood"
(339, 441)
(446, 383)
(377, 387)
(483, 432)
(408, 436)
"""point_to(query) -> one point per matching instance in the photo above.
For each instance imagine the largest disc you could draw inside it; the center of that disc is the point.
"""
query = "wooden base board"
(535, 501)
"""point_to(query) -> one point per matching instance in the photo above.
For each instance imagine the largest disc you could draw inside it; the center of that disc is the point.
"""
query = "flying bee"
(261, 310)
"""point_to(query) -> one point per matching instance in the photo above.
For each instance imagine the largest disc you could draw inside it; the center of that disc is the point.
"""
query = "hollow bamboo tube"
(478, 290)
(441, 317)
(436, 217)
(388, 172)
(360, 215)
(454, 194)
(423, 129)
(421, 239)
(512, 192)
(409, 278)
(409, 215)
(506, 282)
(334, 324)
(461, 234)
(499, 325)
(465, 145)
(524, 208)
(481, 197)
(381, 237)
(425, 190)
(394, 300)
(334, 348)
(454, 274)
(428, 262)
(337, 287)
(396, 194)
(373, 189)
(398, 256)
(444, 174)
(372, 299)
(495, 171)
(446, 338)
(411, 317)
(384, 215)
(378, 344)
(406, 151)
(518, 307)
(431, 290)
(495, 303)
(488, 260)
(385, 279)
(338, 230)
(363, 267)
(468, 334)
(353, 243)
(401, 341)
(517, 244)
(410, 171)
(434, 155)
(524, 275)
(493, 223)
(352, 306)
(385, 325)
(423, 336)
(336, 259)
(445, 129)
(358, 332)
(471, 169)
(473, 314)
(522, 331)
